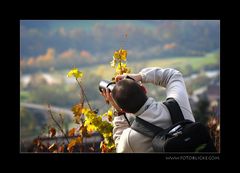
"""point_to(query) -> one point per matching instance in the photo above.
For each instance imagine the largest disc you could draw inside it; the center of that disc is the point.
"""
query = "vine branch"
(58, 125)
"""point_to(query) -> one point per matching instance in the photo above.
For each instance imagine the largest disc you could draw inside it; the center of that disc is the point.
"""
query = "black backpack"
(182, 136)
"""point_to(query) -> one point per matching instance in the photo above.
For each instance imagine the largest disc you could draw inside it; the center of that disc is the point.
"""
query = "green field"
(186, 65)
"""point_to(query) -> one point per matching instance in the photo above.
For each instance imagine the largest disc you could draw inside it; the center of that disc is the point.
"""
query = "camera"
(104, 84)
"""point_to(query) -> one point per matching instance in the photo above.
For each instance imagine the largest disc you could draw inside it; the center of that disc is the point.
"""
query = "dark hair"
(129, 95)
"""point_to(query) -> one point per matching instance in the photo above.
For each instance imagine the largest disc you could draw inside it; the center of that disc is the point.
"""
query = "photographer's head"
(129, 95)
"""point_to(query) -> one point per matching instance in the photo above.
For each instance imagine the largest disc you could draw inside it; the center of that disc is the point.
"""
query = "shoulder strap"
(174, 109)
(145, 127)
(149, 129)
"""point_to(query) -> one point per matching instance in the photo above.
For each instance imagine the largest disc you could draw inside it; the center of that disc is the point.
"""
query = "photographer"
(129, 98)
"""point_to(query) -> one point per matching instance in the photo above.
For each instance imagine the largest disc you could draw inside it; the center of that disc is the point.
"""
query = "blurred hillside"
(61, 44)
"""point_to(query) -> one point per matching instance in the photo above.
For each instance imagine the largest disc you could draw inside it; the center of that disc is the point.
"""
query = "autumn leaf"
(71, 132)
(116, 55)
(123, 54)
(90, 128)
(75, 72)
(71, 145)
(122, 69)
(52, 132)
(103, 147)
(77, 109)
(79, 140)
(110, 115)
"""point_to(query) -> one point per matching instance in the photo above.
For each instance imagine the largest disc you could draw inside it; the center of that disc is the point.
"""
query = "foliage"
(86, 119)
(89, 118)
(117, 62)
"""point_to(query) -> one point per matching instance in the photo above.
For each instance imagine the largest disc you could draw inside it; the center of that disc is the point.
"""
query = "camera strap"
(127, 119)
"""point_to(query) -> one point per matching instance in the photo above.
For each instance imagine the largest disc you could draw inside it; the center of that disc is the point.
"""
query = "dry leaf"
(52, 132)
(71, 145)
(71, 132)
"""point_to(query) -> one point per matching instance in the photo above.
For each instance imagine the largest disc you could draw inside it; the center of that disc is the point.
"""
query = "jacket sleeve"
(173, 81)
(120, 131)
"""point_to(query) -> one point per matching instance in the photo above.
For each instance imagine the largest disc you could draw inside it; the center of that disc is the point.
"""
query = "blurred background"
(50, 48)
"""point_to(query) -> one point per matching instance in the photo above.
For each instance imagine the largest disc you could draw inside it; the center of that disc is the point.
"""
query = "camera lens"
(106, 84)
(111, 86)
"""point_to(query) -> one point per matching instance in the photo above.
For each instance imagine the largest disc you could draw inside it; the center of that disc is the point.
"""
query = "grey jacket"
(127, 139)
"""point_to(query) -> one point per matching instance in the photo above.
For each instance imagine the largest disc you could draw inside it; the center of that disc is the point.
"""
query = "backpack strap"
(174, 109)
(149, 129)
(145, 127)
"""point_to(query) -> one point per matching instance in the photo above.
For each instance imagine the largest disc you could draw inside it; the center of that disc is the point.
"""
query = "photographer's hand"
(108, 97)
(136, 77)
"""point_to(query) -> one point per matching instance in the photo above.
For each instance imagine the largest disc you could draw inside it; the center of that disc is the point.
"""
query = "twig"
(57, 123)
(83, 93)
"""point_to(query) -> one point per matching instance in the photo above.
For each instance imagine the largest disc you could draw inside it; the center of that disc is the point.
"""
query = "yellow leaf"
(71, 132)
(77, 109)
(75, 72)
(123, 54)
(90, 127)
(110, 115)
(116, 55)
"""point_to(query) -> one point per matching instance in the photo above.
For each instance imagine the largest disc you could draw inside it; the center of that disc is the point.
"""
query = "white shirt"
(129, 140)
